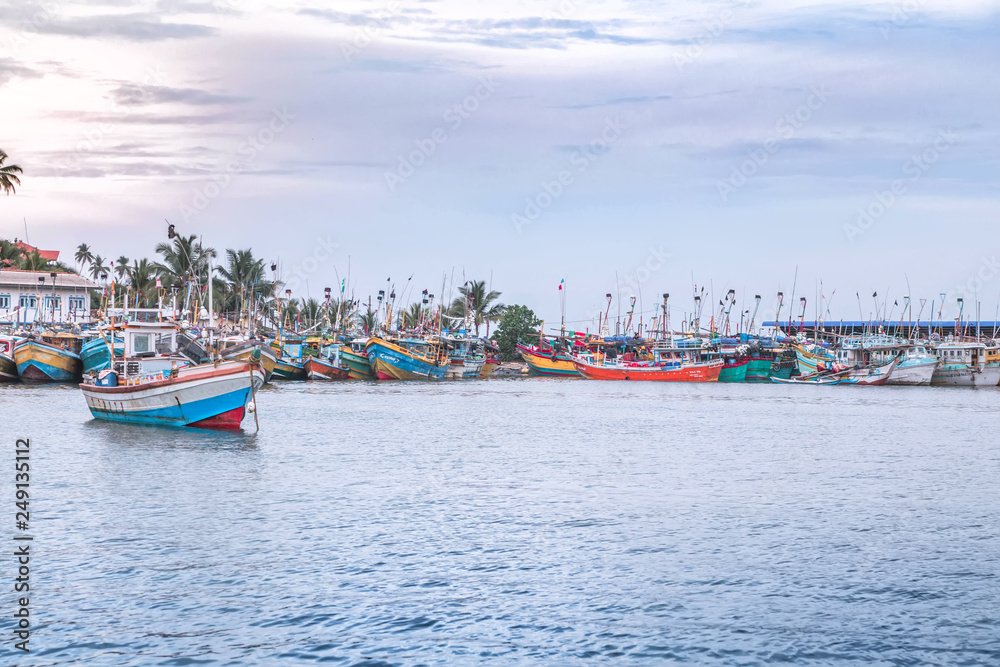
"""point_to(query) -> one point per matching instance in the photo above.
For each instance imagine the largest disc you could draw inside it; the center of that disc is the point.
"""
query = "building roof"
(50, 255)
(13, 278)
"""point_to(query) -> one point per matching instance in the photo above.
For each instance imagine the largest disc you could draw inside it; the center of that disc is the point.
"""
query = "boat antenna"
(754, 316)
(795, 281)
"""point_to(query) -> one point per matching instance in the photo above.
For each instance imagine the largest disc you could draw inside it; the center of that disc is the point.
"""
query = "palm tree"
(244, 277)
(97, 268)
(83, 255)
(121, 266)
(411, 318)
(33, 261)
(10, 253)
(290, 311)
(477, 302)
(312, 313)
(142, 280)
(184, 260)
(7, 178)
(367, 321)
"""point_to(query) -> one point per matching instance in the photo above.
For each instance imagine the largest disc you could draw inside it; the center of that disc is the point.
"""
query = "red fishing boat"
(661, 364)
(319, 369)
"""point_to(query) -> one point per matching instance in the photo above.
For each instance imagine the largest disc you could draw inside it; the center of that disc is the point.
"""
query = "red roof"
(50, 255)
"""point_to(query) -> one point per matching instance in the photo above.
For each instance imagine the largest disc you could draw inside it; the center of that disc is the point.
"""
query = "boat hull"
(211, 396)
(758, 370)
(829, 380)
(488, 368)
(701, 372)
(464, 369)
(317, 369)
(734, 372)
(268, 358)
(546, 365)
(358, 366)
(873, 376)
(392, 362)
(8, 369)
(39, 362)
(914, 374)
(963, 376)
(289, 371)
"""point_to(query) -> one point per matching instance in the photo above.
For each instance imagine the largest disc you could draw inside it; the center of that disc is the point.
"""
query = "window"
(76, 303)
(140, 343)
(28, 301)
(4, 301)
(52, 303)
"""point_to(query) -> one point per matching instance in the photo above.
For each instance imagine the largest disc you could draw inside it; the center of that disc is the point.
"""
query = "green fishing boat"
(759, 368)
(734, 370)
(355, 359)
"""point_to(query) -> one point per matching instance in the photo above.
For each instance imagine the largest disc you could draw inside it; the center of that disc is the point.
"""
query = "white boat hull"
(986, 376)
(914, 374)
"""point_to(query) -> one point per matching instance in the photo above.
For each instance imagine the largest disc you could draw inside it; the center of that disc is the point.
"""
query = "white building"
(42, 296)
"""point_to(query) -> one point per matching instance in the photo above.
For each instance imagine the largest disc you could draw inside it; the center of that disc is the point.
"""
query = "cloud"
(637, 99)
(132, 94)
(13, 69)
(131, 27)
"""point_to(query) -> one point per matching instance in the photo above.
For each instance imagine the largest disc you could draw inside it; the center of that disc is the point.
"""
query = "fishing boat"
(323, 360)
(320, 369)
(8, 368)
(95, 355)
(811, 358)
(758, 367)
(820, 378)
(664, 364)
(548, 361)
(354, 358)
(784, 365)
(150, 384)
(963, 364)
(243, 349)
(289, 364)
(872, 375)
(407, 359)
(49, 357)
(735, 363)
(916, 366)
(492, 361)
(466, 359)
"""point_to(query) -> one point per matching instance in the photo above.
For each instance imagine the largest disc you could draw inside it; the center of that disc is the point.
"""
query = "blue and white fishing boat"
(465, 356)
(96, 354)
(916, 367)
(154, 385)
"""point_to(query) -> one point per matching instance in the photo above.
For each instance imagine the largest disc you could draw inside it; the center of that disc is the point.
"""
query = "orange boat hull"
(689, 373)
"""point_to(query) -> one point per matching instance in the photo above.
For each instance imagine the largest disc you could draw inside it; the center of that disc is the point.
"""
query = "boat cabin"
(149, 348)
(972, 355)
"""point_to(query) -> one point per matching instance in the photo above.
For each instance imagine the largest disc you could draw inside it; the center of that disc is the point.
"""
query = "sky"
(634, 148)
